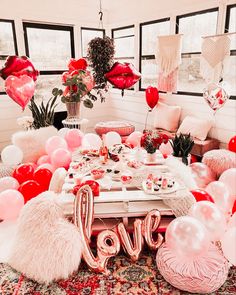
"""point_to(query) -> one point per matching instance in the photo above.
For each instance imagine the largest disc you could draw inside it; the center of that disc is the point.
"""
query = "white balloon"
(91, 141)
(11, 155)
(228, 244)
(62, 132)
(8, 182)
(8, 231)
(112, 138)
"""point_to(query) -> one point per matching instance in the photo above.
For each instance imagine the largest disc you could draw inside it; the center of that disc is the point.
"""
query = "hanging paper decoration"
(123, 75)
(152, 96)
(215, 51)
(215, 96)
(168, 58)
(18, 66)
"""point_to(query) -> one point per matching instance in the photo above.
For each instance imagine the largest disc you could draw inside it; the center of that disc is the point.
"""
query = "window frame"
(226, 30)
(55, 27)
(178, 17)
(89, 29)
(149, 56)
(14, 40)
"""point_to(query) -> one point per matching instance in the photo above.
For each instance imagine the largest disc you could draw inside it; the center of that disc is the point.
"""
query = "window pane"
(49, 49)
(194, 27)
(232, 26)
(149, 73)
(2, 82)
(123, 32)
(190, 79)
(87, 36)
(124, 47)
(6, 39)
(44, 86)
(149, 36)
(229, 76)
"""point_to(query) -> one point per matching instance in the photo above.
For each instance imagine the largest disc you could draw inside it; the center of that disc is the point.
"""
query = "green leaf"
(88, 103)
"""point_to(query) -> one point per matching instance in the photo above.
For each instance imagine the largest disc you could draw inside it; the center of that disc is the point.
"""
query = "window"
(124, 44)
(87, 34)
(193, 26)
(149, 31)
(8, 45)
(49, 47)
(230, 27)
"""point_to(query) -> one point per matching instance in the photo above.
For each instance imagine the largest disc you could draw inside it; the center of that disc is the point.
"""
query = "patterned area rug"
(127, 278)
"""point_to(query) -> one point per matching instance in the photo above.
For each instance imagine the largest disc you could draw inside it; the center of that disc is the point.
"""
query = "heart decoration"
(215, 96)
(20, 89)
(152, 96)
(18, 66)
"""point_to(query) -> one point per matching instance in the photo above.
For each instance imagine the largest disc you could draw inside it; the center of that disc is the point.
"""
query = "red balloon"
(23, 172)
(30, 189)
(43, 177)
(201, 195)
(234, 207)
(123, 75)
(152, 96)
(232, 144)
(18, 66)
(20, 89)
(94, 185)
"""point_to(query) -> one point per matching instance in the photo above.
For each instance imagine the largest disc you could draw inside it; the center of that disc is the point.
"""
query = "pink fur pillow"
(167, 117)
(47, 247)
(32, 142)
(219, 160)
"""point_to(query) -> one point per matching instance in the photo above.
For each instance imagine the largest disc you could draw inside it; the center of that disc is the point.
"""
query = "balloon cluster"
(20, 76)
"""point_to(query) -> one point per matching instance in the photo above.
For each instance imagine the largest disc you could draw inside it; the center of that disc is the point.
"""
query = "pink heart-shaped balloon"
(20, 89)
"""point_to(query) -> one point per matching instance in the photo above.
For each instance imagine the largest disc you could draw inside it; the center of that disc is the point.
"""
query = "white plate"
(161, 191)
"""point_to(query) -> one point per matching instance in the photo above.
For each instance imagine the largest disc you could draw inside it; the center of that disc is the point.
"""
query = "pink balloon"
(202, 174)
(166, 149)
(20, 89)
(11, 202)
(53, 143)
(134, 138)
(187, 236)
(220, 195)
(228, 244)
(47, 166)
(73, 138)
(43, 159)
(228, 178)
(210, 216)
(62, 132)
(8, 182)
(61, 158)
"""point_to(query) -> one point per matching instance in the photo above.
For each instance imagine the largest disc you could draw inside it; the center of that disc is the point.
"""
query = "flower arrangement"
(151, 140)
(79, 82)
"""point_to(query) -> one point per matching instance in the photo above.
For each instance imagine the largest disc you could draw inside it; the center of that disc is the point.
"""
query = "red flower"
(165, 138)
(79, 64)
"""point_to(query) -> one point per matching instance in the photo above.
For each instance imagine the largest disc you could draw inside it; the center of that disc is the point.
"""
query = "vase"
(73, 111)
(151, 157)
(181, 160)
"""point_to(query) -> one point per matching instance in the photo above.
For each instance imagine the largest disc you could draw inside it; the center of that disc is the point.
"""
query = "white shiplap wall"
(133, 108)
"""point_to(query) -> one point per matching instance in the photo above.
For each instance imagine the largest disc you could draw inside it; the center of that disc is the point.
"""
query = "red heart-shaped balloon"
(18, 66)
(152, 96)
(21, 89)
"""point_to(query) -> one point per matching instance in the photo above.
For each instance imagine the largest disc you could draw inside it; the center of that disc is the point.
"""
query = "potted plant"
(151, 141)
(182, 145)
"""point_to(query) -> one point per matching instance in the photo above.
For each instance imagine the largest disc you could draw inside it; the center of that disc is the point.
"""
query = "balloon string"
(146, 119)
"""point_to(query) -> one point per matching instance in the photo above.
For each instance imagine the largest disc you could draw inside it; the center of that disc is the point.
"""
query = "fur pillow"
(167, 117)
(32, 142)
(219, 160)
(47, 247)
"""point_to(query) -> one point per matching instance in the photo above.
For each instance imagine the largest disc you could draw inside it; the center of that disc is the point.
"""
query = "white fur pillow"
(198, 128)
(32, 142)
(167, 117)
(47, 247)
(219, 160)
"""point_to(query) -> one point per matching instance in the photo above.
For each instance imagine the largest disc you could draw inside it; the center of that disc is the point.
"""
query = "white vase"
(181, 160)
(151, 157)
